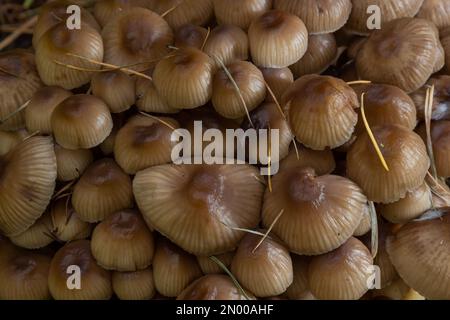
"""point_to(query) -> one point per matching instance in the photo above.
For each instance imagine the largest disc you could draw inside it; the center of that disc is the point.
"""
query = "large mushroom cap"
(437, 11)
(27, 182)
(196, 206)
(420, 253)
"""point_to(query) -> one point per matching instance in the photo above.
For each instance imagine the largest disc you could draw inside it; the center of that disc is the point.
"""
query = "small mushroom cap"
(319, 213)
(420, 253)
(342, 274)
(441, 98)
(123, 242)
(102, 190)
(72, 163)
(19, 80)
(278, 80)
(299, 289)
(405, 155)
(240, 13)
(105, 10)
(27, 182)
(179, 200)
(213, 287)
(321, 111)
(277, 39)
(81, 122)
(10, 139)
(210, 267)
(407, 48)
(437, 11)
(190, 35)
(173, 268)
(135, 285)
(149, 99)
(321, 161)
(37, 236)
(136, 36)
(266, 271)
(320, 16)
(95, 281)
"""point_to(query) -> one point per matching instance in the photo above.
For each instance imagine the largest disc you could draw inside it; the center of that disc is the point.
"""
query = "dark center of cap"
(124, 222)
(273, 19)
(23, 264)
(139, 36)
(304, 187)
(147, 134)
(204, 187)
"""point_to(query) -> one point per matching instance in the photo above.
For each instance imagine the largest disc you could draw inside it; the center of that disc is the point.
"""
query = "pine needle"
(374, 229)
(64, 189)
(280, 109)
(269, 172)
(236, 283)
(268, 231)
(296, 148)
(12, 114)
(350, 83)
(428, 114)
(206, 39)
(9, 73)
(158, 119)
(171, 9)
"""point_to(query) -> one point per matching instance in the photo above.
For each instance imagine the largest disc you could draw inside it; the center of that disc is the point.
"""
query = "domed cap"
(105, 10)
(10, 139)
(136, 285)
(266, 271)
(27, 182)
(190, 35)
(405, 155)
(240, 13)
(208, 266)
(420, 253)
(321, 161)
(321, 111)
(342, 274)
(407, 48)
(81, 121)
(66, 224)
(149, 99)
(95, 281)
(299, 290)
(19, 80)
(134, 36)
(319, 212)
(37, 236)
(180, 200)
(173, 268)
(213, 287)
(365, 225)
(278, 79)
(437, 11)
(277, 39)
(72, 163)
(320, 16)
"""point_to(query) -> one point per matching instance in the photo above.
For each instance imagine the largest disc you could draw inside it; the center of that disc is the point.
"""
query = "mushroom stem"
(233, 278)
(18, 32)
(268, 231)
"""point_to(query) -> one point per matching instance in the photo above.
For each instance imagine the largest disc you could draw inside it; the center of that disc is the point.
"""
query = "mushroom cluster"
(357, 208)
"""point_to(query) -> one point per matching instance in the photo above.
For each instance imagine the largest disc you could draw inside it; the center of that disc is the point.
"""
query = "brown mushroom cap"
(37, 236)
(149, 99)
(437, 11)
(27, 182)
(102, 190)
(105, 10)
(278, 79)
(250, 81)
(210, 267)
(123, 242)
(319, 213)
(81, 122)
(266, 271)
(180, 200)
(95, 281)
(441, 98)
(365, 225)
(72, 163)
(136, 36)
(184, 79)
(321, 111)
(299, 289)
(405, 155)
(144, 142)
(277, 39)
(407, 48)
(320, 16)
(190, 35)
(321, 161)
(173, 268)
(136, 285)
(420, 253)
(240, 13)
(18, 82)
(342, 274)
(213, 287)
(445, 41)
(390, 10)
(10, 139)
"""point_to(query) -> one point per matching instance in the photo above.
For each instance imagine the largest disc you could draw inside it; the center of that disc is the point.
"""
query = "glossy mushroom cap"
(389, 10)
(407, 48)
(184, 79)
(95, 281)
(385, 105)
(405, 155)
(227, 43)
(173, 268)
(299, 289)
(365, 225)
(102, 190)
(441, 98)
(320, 16)
(136, 285)
(321, 111)
(342, 274)
(278, 79)
(208, 266)
(190, 35)
(321, 161)
(321, 52)
(266, 271)
(413, 205)
(37, 236)
(81, 122)
(123, 242)
(24, 275)
(179, 200)
(54, 52)
(136, 36)
(105, 10)
(115, 88)
(149, 99)
(27, 182)
(72, 163)
(250, 81)
(420, 253)
(240, 13)
(144, 142)
(437, 11)
(277, 39)
(18, 82)
(39, 111)
(213, 287)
